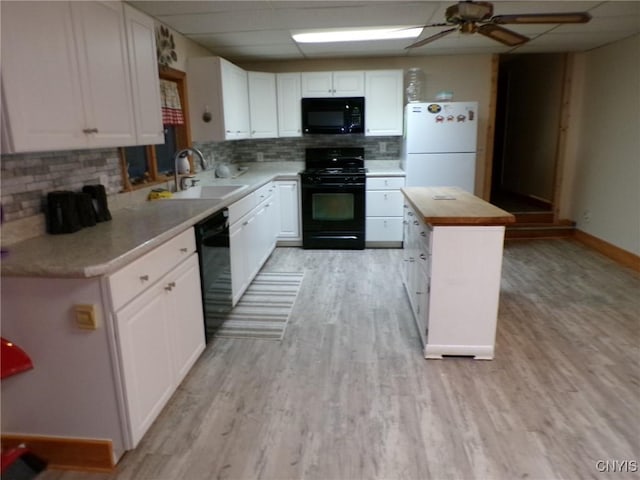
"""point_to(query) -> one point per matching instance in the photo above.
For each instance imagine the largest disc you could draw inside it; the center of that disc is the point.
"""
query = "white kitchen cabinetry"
(218, 100)
(333, 84)
(384, 211)
(143, 65)
(452, 277)
(110, 382)
(252, 236)
(263, 107)
(384, 102)
(289, 105)
(288, 192)
(161, 329)
(65, 79)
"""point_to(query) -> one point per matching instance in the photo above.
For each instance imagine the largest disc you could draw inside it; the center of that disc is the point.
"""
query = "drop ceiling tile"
(160, 8)
(629, 23)
(224, 22)
(264, 37)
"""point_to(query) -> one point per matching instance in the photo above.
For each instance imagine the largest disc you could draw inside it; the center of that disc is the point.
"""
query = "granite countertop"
(441, 206)
(136, 230)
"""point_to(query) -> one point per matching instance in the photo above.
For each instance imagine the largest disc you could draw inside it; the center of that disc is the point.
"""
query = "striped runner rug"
(264, 309)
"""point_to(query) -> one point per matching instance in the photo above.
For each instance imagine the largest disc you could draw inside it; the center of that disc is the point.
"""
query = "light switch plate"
(85, 316)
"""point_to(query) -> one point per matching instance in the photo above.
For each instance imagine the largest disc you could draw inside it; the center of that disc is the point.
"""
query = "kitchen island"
(453, 244)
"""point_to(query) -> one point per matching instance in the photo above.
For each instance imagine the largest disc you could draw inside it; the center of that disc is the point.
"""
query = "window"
(146, 165)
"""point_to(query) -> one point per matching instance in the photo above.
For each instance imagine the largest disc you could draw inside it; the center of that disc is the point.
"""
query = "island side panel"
(71, 391)
(466, 268)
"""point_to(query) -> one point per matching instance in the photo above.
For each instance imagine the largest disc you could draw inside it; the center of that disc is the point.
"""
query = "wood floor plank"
(347, 394)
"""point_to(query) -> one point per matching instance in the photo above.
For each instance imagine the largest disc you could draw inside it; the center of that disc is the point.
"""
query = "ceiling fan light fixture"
(356, 34)
(469, 11)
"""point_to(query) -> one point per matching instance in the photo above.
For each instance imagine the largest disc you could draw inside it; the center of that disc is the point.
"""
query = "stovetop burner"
(333, 161)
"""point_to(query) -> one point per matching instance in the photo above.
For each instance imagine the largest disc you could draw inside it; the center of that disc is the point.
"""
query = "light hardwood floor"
(347, 394)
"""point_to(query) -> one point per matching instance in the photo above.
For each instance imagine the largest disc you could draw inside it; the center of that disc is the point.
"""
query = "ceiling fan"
(477, 17)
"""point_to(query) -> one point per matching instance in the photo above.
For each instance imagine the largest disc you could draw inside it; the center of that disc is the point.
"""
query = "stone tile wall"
(25, 179)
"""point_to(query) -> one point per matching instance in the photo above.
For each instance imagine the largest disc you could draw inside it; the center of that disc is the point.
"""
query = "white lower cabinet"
(109, 382)
(288, 192)
(252, 236)
(161, 333)
(452, 277)
(384, 211)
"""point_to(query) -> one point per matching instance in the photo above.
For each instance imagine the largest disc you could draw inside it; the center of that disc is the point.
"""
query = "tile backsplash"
(26, 178)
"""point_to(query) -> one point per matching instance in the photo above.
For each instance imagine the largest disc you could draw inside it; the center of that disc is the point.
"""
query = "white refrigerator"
(439, 145)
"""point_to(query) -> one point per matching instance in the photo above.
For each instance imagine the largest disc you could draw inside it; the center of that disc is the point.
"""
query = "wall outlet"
(586, 216)
(383, 147)
(260, 156)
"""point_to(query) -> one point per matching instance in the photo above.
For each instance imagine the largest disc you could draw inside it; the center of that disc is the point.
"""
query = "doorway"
(528, 124)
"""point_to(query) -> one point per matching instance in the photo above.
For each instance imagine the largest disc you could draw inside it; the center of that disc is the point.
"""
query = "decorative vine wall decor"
(165, 46)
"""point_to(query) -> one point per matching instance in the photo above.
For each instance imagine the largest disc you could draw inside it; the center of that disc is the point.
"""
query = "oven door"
(333, 215)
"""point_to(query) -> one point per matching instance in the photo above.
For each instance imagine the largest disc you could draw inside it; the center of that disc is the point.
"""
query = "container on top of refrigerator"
(444, 96)
(415, 85)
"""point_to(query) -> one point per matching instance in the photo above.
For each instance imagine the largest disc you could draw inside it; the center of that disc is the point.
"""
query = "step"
(560, 229)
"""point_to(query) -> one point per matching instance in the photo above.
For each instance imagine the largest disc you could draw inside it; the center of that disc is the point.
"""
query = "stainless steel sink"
(206, 192)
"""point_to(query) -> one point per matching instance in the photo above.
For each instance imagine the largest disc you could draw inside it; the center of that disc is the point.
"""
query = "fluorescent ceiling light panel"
(355, 34)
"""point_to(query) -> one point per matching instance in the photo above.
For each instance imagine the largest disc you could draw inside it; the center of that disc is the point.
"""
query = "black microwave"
(333, 115)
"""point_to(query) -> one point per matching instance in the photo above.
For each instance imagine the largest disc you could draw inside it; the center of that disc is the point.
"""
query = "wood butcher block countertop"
(440, 206)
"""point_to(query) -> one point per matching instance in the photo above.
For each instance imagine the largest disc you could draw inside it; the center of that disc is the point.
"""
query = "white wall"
(605, 193)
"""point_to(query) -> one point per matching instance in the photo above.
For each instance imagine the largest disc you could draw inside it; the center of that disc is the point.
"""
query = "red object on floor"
(12, 359)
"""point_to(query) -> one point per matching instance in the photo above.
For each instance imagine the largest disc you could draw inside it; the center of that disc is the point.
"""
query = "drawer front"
(385, 183)
(383, 203)
(130, 281)
(240, 208)
(264, 193)
(380, 229)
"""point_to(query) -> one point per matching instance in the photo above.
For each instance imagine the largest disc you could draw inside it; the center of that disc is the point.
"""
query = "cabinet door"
(384, 112)
(239, 259)
(289, 209)
(141, 41)
(383, 229)
(235, 99)
(40, 111)
(289, 105)
(317, 84)
(348, 84)
(145, 354)
(104, 69)
(186, 321)
(263, 108)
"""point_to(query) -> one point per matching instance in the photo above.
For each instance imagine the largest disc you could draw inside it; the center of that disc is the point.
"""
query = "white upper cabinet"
(383, 102)
(66, 80)
(333, 84)
(289, 105)
(143, 65)
(263, 108)
(218, 100)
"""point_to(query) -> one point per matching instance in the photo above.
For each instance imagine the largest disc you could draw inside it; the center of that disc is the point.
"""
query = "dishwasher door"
(212, 239)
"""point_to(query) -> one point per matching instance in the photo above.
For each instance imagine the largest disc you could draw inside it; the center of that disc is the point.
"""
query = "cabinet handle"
(415, 222)
(184, 250)
(422, 256)
(385, 196)
(170, 286)
(423, 233)
(90, 130)
(410, 214)
(252, 132)
(245, 223)
(144, 278)
(228, 131)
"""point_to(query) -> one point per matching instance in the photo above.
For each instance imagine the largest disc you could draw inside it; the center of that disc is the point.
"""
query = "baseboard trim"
(67, 453)
(621, 256)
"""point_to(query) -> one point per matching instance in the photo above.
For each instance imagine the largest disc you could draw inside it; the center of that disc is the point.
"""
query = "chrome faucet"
(181, 154)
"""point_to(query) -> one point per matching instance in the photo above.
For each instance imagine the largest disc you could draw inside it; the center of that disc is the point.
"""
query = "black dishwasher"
(212, 240)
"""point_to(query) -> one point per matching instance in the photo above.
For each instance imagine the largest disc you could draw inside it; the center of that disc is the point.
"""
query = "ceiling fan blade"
(431, 38)
(502, 35)
(575, 17)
